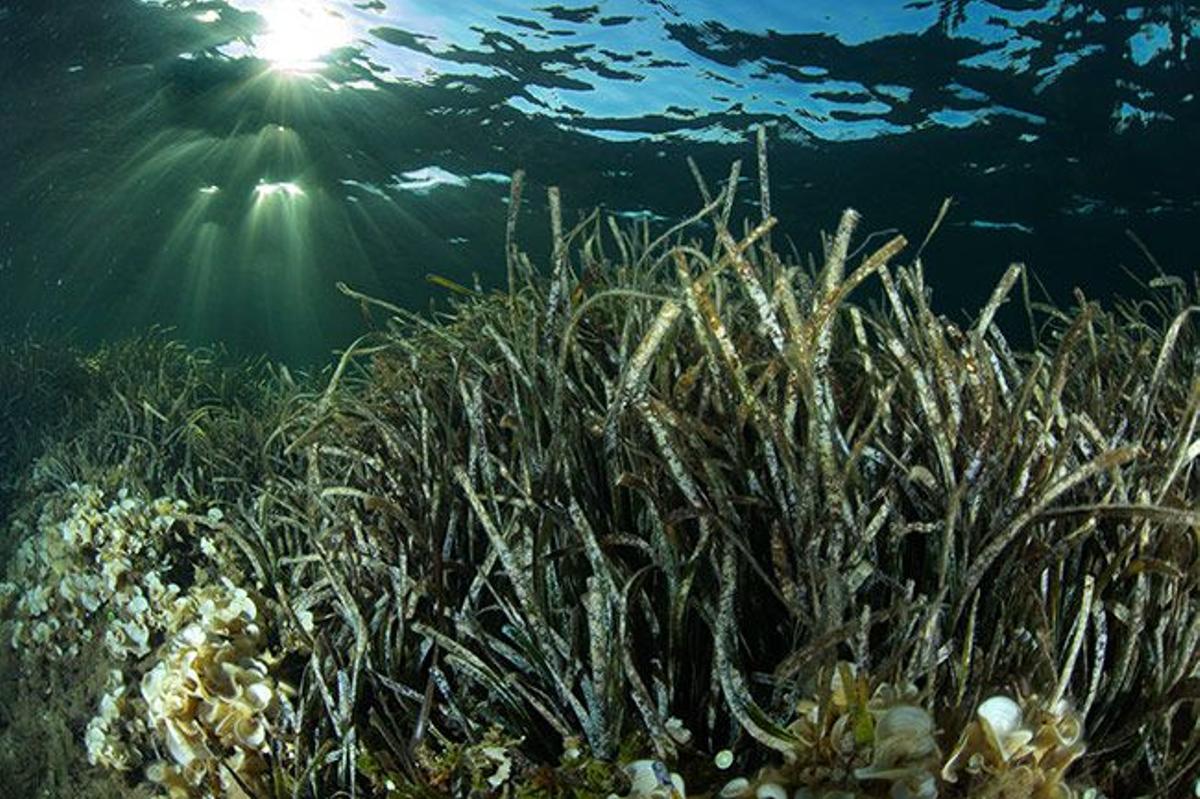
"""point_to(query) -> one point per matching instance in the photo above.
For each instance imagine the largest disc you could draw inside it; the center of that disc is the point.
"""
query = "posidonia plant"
(677, 494)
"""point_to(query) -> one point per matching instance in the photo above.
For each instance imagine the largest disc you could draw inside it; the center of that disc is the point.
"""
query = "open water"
(217, 167)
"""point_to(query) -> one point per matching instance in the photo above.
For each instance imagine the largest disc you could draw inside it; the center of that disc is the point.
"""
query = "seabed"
(675, 516)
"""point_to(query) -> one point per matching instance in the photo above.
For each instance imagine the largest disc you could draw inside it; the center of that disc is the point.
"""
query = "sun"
(299, 33)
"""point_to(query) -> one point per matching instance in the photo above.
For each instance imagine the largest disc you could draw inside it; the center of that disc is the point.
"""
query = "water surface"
(219, 166)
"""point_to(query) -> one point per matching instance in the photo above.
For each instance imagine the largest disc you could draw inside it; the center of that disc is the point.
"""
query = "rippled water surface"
(219, 166)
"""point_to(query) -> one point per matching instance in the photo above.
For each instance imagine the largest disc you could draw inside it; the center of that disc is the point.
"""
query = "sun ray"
(299, 33)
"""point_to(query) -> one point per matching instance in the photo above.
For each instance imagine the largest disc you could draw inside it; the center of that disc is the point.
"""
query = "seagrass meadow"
(673, 515)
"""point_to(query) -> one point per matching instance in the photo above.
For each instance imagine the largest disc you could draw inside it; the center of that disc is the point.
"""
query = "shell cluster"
(1018, 748)
(211, 696)
(855, 740)
(91, 577)
(855, 733)
(105, 744)
(91, 559)
(904, 753)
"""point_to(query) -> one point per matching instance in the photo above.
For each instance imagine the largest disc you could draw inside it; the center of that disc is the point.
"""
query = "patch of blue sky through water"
(851, 22)
(677, 83)
(994, 26)
(1151, 40)
(620, 57)
(611, 69)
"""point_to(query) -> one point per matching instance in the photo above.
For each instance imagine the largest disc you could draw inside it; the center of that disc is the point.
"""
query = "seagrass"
(672, 481)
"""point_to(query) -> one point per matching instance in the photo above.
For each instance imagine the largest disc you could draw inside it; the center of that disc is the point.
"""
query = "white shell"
(648, 777)
(1002, 714)
(192, 635)
(770, 790)
(258, 696)
(904, 720)
(251, 733)
(724, 759)
(179, 746)
(904, 735)
(735, 787)
(1003, 724)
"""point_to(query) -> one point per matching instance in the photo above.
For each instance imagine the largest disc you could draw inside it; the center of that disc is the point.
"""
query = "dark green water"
(218, 167)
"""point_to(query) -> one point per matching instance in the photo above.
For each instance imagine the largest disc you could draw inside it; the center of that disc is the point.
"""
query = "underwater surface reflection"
(142, 141)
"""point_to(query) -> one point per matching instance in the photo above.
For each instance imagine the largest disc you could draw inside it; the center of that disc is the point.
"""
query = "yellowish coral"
(852, 735)
(853, 730)
(832, 728)
(211, 697)
(105, 746)
(1015, 748)
(86, 555)
(94, 569)
(904, 753)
